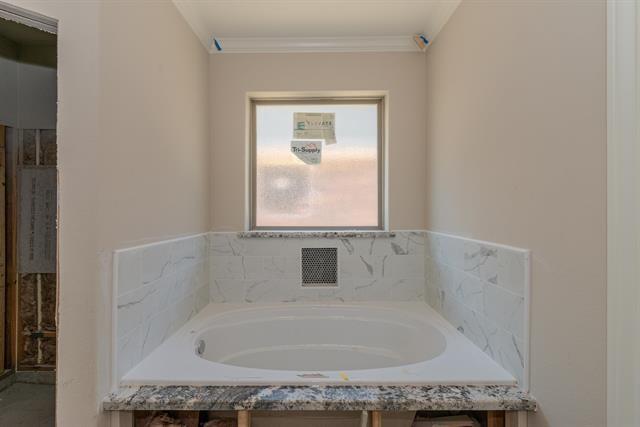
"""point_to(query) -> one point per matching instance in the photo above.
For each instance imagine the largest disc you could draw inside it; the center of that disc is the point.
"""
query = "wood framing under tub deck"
(319, 398)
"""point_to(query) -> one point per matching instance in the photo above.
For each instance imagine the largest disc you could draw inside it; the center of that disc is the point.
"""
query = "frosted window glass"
(341, 191)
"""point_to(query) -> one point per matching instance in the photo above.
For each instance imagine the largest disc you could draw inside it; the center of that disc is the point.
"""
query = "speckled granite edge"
(320, 398)
(314, 234)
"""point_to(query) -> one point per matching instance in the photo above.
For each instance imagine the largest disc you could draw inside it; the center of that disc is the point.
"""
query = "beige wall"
(401, 74)
(133, 153)
(155, 131)
(516, 155)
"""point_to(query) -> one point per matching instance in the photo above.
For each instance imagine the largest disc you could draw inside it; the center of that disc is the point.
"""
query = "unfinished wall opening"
(28, 221)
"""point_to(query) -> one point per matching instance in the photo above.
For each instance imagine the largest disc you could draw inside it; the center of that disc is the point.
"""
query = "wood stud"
(376, 419)
(495, 419)
(244, 418)
(10, 213)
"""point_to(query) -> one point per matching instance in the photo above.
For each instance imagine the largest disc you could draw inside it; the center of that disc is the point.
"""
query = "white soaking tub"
(381, 343)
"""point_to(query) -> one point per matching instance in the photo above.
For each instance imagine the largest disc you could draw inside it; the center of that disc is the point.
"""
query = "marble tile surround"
(371, 267)
(479, 287)
(157, 289)
(482, 289)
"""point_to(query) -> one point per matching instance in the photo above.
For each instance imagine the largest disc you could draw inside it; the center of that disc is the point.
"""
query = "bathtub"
(383, 343)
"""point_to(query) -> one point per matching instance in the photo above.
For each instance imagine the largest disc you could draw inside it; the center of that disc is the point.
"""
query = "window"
(317, 163)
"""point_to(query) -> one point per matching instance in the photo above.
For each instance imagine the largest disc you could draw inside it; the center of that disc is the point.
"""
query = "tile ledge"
(315, 234)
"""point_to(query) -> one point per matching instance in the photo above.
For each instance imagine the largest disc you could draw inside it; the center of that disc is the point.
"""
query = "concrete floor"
(27, 405)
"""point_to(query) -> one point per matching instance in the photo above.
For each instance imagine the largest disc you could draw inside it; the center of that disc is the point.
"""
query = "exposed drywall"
(516, 154)
(401, 74)
(133, 158)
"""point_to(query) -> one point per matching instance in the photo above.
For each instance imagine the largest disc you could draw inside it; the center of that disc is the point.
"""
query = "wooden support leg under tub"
(495, 419)
(244, 419)
(374, 416)
(376, 419)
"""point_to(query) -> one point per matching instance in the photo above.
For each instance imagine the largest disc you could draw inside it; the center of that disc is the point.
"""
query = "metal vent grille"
(319, 266)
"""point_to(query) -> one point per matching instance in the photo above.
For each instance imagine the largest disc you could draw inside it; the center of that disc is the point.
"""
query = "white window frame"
(380, 101)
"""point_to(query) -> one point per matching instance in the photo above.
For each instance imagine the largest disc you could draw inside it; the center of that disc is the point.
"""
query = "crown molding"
(28, 18)
(433, 24)
(316, 44)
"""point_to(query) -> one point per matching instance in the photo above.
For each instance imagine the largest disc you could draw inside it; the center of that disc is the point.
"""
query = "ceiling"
(315, 25)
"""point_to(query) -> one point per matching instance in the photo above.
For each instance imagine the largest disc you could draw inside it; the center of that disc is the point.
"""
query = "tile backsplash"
(482, 289)
(370, 267)
(158, 287)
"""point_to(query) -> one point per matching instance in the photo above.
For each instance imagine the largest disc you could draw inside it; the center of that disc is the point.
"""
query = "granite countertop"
(314, 398)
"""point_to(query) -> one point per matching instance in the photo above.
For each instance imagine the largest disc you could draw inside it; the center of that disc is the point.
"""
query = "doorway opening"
(28, 219)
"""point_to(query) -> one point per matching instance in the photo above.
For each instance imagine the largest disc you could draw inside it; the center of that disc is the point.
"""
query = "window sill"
(316, 234)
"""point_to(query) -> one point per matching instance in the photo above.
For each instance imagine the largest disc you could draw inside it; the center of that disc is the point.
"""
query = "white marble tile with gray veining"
(225, 243)
(401, 243)
(158, 288)
(445, 249)
(501, 345)
(227, 267)
(128, 350)
(505, 309)
(408, 289)
(258, 270)
(272, 267)
(378, 289)
(155, 331)
(406, 266)
(128, 275)
(156, 261)
(183, 253)
(134, 308)
(360, 266)
(477, 286)
(480, 288)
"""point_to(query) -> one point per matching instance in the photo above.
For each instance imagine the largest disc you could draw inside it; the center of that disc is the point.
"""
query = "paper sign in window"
(315, 126)
(309, 152)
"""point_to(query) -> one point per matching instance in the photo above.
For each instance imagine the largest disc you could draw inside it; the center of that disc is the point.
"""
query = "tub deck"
(430, 350)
